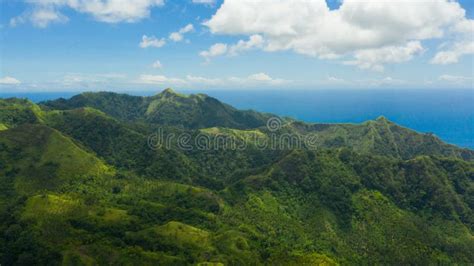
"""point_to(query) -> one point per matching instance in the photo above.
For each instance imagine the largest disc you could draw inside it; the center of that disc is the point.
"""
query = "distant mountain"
(81, 184)
(166, 108)
(381, 137)
(200, 111)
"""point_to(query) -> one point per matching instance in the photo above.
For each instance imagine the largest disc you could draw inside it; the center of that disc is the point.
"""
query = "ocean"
(449, 114)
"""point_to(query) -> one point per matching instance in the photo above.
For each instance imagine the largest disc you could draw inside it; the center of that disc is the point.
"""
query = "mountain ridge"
(200, 110)
(81, 185)
(154, 110)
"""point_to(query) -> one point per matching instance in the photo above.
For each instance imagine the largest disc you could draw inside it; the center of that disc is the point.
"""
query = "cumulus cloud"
(374, 59)
(258, 79)
(455, 79)
(391, 81)
(219, 49)
(463, 45)
(255, 41)
(215, 50)
(151, 41)
(40, 18)
(9, 81)
(160, 79)
(204, 81)
(179, 35)
(264, 78)
(386, 81)
(452, 55)
(334, 80)
(86, 79)
(44, 12)
(366, 30)
(157, 64)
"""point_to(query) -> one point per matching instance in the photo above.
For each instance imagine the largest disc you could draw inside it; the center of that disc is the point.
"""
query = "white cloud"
(151, 41)
(176, 37)
(374, 59)
(157, 64)
(255, 41)
(160, 79)
(455, 79)
(365, 29)
(258, 79)
(15, 21)
(204, 81)
(464, 45)
(379, 82)
(265, 79)
(390, 81)
(179, 35)
(40, 18)
(74, 78)
(88, 79)
(452, 56)
(335, 80)
(219, 49)
(465, 26)
(215, 50)
(44, 12)
(9, 81)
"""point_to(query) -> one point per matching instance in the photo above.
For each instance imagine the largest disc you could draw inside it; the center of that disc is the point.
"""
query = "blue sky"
(77, 45)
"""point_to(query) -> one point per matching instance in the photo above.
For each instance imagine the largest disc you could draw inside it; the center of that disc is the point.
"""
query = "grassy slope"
(271, 217)
(15, 112)
(62, 204)
(43, 158)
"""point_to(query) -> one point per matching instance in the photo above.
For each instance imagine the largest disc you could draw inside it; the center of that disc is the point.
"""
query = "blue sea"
(449, 114)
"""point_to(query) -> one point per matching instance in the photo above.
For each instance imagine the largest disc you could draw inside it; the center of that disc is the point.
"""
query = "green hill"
(15, 112)
(40, 158)
(81, 185)
(381, 137)
(200, 112)
(165, 108)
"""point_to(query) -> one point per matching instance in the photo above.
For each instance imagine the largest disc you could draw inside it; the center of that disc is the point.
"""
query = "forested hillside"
(82, 184)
